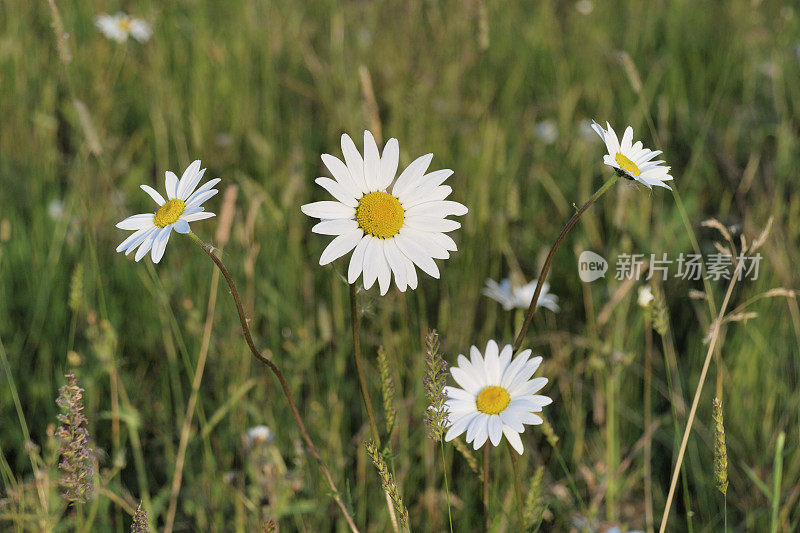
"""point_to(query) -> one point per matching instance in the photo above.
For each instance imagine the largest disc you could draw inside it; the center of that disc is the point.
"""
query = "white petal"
(425, 194)
(417, 254)
(181, 226)
(505, 357)
(191, 177)
(337, 191)
(154, 194)
(140, 239)
(459, 427)
(440, 208)
(510, 419)
(198, 199)
(132, 237)
(492, 363)
(160, 244)
(456, 394)
(384, 272)
(495, 428)
(171, 183)
(340, 173)
(440, 225)
(482, 433)
(203, 188)
(627, 140)
(340, 246)
(514, 368)
(146, 245)
(328, 210)
(409, 177)
(338, 226)
(391, 155)
(513, 439)
(428, 241)
(411, 272)
(371, 261)
(357, 261)
(395, 258)
(200, 215)
(372, 162)
(355, 164)
(467, 381)
(135, 222)
(611, 140)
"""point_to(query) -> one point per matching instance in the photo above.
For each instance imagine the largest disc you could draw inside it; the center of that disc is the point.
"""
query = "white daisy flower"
(497, 396)
(183, 205)
(632, 160)
(389, 232)
(645, 296)
(513, 296)
(121, 26)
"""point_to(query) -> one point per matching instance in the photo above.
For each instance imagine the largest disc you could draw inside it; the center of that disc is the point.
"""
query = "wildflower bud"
(140, 521)
(720, 450)
(270, 527)
(387, 481)
(387, 390)
(77, 461)
(434, 381)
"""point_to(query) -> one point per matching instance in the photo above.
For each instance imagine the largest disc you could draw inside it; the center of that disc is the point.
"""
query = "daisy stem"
(546, 267)
(486, 484)
(362, 380)
(517, 486)
(207, 248)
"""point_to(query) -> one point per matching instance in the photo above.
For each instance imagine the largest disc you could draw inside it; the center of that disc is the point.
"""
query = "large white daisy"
(633, 160)
(513, 296)
(121, 26)
(497, 396)
(389, 232)
(184, 204)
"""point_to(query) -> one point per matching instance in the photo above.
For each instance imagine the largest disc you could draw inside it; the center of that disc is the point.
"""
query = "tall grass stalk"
(717, 325)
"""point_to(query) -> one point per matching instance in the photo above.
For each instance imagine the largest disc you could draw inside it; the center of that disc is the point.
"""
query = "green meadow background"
(257, 90)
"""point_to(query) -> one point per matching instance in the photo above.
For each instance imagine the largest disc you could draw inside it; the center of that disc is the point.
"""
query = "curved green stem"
(546, 267)
(207, 248)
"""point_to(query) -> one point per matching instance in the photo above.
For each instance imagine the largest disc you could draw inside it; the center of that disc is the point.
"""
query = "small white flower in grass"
(513, 296)
(633, 160)
(497, 396)
(121, 26)
(184, 204)
(388, 232)
(645, 296)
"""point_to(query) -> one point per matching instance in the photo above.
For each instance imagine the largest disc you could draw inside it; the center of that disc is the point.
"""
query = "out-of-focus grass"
(258, 90)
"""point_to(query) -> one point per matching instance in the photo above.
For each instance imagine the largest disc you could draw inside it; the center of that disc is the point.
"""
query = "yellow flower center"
(627, 165)
(493, 400)
(125, 24)
(169, 213)
(380, 214)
